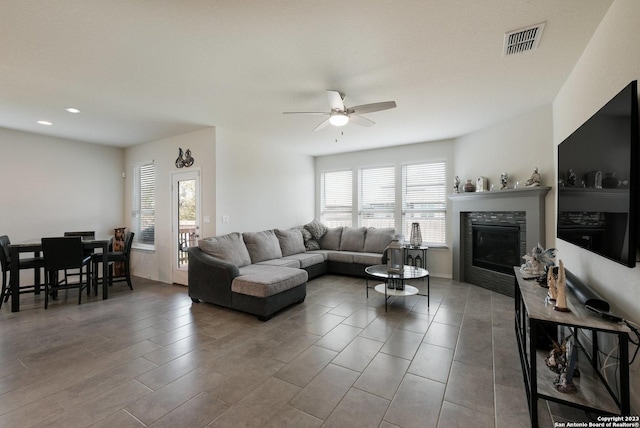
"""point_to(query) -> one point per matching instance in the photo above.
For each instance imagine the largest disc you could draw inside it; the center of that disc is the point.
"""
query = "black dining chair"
(88, 234)
(61, 254)
(113, 257)
(24, 263)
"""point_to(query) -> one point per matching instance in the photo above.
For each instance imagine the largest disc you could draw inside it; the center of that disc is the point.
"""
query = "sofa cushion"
(376, 240)
(306, 259)
(353, 239)
(341, 256)
(316, 228)
(368, 259)
(262, 245)
(291, 241)
(230, 248)
(291, 263)
(264, 281)
(331, 239)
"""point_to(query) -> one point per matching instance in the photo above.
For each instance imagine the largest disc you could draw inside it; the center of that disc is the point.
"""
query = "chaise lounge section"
(264, 272)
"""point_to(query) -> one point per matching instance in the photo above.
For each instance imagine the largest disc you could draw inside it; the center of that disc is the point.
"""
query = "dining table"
(35, 247)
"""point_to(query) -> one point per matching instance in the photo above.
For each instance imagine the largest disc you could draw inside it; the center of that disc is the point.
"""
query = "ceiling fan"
(341, 115)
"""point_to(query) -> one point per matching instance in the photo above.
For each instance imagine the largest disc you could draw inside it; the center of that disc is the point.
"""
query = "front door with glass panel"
(186, 220)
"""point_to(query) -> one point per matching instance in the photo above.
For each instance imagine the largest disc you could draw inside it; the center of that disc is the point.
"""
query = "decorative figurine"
(188, 159)
(456, 185)
(571, 178)
(552, 284)
(561, 285)
(504, 181)
(537, 264)
(180, 159)
(534, 180)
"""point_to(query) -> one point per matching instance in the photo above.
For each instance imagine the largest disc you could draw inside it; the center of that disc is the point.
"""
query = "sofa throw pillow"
(262, 245)
(291, 241)
(376, 240)
(316, 228)
(331, 239)
(306, 235)
(311, 245)
(230, 248)
(353, 239)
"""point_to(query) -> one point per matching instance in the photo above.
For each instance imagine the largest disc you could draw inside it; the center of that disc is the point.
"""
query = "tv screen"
(597, 181)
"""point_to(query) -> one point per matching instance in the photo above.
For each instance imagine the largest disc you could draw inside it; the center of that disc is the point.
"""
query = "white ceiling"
(142, 70)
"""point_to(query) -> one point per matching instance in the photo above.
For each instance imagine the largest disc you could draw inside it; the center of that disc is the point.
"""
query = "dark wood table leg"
(15, 279)
(105, 271)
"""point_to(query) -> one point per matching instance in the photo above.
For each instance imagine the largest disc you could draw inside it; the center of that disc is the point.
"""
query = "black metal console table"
(595, 393)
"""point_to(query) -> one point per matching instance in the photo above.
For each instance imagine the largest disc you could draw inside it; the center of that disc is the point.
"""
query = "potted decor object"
(469, 187)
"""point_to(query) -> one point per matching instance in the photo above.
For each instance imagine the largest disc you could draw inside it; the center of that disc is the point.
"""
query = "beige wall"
(608, 64)
(52, 185)
(516, 147)
(158, 264)
(261, 185)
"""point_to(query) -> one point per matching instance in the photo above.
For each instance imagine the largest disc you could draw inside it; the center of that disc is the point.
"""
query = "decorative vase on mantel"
(469, 187)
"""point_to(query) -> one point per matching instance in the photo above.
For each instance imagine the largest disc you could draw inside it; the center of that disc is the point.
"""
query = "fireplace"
(523, 208)
(496, 247)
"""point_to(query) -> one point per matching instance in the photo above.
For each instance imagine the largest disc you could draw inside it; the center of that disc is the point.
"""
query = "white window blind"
(424, 201)
(377, 197)
(336, 204)
(143, 205)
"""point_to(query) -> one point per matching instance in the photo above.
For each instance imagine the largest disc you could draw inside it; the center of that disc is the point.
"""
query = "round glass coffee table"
(394, 284)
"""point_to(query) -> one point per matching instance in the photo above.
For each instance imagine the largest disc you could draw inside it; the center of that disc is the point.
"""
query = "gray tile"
(290, 417)
(454, 415)
(383, 376)
(338, 338)
(403, 344)
(358, 409)
(172, 362)
(306, 366)
(358, 354)
(417, 403)
(442, 335)
(258, 407)
(471, 386)
(325, 391)
(197, 412)
(432, 362)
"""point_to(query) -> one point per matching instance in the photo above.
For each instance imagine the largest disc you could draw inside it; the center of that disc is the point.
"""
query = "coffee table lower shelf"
(409, 290)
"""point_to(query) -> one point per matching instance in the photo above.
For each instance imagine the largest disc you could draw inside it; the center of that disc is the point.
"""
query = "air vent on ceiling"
(522, 40)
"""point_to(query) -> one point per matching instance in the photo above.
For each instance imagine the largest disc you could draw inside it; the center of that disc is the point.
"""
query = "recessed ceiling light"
(45, 122)
(72, 110)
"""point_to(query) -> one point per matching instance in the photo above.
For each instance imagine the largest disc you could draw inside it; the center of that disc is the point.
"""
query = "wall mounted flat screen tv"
(598, 181)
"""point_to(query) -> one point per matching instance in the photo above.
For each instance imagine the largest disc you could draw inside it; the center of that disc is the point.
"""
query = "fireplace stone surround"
(524, 207)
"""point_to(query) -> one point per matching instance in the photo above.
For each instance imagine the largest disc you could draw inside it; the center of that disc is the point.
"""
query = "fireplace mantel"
(531, 200)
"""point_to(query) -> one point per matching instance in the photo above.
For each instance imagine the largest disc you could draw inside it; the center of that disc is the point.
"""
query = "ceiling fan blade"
(315, 113)
(359, 120)
(322, 124)
(370, 108)
(335, 100)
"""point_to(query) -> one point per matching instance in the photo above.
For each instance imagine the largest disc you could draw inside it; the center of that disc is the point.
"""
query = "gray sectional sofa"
(264, 272)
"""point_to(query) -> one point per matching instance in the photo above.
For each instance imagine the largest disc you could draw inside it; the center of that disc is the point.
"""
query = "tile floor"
(152, 358)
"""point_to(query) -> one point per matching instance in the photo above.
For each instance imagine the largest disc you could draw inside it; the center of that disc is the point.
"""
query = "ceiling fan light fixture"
(339, 119)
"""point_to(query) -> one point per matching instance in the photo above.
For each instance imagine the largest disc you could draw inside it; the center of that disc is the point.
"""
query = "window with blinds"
(143, 205)
(424, 201)
(377, 197)
(336, 204)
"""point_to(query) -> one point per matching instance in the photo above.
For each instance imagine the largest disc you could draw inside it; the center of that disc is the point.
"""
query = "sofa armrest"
(210, 278)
